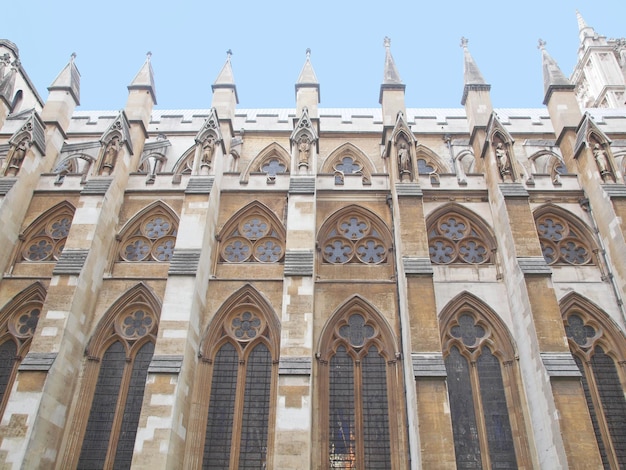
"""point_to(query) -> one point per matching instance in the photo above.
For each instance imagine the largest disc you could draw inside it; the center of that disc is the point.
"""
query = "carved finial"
(387, 42)
(464, 42)
(308, 52)
(148, 55)
(73, 56)
(541, 44)
(229, 53)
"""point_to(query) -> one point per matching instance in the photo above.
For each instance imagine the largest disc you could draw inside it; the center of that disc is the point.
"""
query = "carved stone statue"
(502, 159)
(110, 155)
(599, 154)
(16, 157)
(304, 147)
(404, 162)
(207, 151)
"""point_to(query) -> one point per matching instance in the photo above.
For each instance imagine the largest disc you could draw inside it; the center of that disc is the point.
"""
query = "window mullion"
(238, 415)
(358, 414)
(119, 413)
(480, 414)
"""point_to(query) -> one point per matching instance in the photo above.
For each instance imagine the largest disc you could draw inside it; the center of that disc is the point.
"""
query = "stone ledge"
(37, 361)
(299, 263)
(96, 186)
(534, 266)
(414, 266)
(615, 190)
(165, 364)
(409, 189)
(199, 186)
(70, 262)
(560, 365)
(294, 366)
(302, 186)
(428, 365)
(184, 262)
(5, 185)
(513, 190)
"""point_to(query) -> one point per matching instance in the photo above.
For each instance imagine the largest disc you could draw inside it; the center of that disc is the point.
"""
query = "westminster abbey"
(315, 288)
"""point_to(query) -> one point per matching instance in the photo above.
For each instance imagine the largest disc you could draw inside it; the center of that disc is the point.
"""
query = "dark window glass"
(496, 414)
(256, 409)
(464, 428)
(594, 417)
(219, 425)
(8, 350)
(613, 401)
(341, 422)
(376, 439)
(98, 433)
(132, 409)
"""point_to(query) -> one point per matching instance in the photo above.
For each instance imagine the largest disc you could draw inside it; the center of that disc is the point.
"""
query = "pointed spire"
(68, 80)
(581, 22)
(472, 78)
(391, 76)
(553, 78)
(144, 80)
(391, 80)
(307, 75)
(226, 79)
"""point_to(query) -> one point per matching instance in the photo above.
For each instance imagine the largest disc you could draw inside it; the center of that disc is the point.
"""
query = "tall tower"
(600, 73)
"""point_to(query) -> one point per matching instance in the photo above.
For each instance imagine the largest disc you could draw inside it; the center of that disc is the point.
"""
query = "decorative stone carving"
(16, 156)
(109, 159)
(405, 168)
(503, 161)
(304, 148)
(602, 161)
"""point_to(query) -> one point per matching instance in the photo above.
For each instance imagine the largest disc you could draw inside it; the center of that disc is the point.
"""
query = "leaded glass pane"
(356, 331)
(592, 413)
(551, 229)
(8, 350)
(441, 250)
(464, 428)
(496, 413)
(132, 408)
(273, 167)
(39, 249)
(219, 426)
(467, 330)
(26, 323)
(453, 229)
(578, 331)
(353, 228)
(253, 450)
(60, 227)
(342, 451)
(613, 401)
(371, 250)
(376, 439)
(136, 249)
(423, 168)
(348, 166)
(254, 228)
(98, 433)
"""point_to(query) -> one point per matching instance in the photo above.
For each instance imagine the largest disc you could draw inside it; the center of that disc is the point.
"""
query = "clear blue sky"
(189, 40)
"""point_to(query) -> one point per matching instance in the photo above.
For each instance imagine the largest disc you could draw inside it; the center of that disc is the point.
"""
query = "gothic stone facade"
(309, 288)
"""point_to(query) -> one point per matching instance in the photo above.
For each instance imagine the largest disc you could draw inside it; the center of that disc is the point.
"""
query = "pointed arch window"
(599, 351)
(254, 235)
(454, 237)
(114, 381)
(236, 382)
(45, 239)
(149, 237)
(563, 240)
(360, 384)
(18, 321)
(354, 236)
(482, 386)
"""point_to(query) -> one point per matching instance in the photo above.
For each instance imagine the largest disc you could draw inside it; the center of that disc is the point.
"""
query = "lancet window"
(45, 239)
(254, 235)
(114, 379)
(354, 236)
(454, 237)
(599, 351)
(239, 366)
(563, 241)
(150, 236)
(482, 386)
(359, 375)
(18, 321)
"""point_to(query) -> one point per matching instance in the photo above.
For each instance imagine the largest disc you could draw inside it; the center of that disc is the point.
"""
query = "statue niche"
(602, 161)
(206, 160)
(503, 161)
(405, 164)
(16, 156)
(109, 157)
